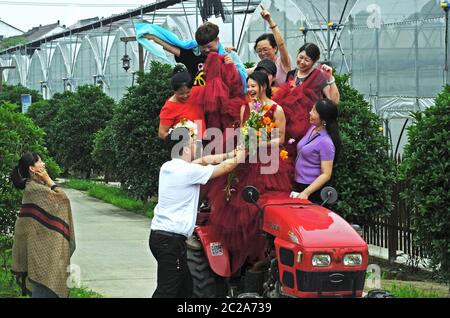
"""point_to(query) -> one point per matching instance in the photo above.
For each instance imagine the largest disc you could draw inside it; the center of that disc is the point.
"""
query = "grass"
(83, 292)
(112, 195)
(409, 291)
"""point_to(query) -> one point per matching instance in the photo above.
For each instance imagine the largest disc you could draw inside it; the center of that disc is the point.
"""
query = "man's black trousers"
(174, 277)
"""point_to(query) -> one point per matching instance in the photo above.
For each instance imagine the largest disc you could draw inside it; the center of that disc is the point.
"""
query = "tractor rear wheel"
(206, 283)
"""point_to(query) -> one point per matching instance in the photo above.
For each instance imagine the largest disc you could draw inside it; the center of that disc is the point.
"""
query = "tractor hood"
(311, 226)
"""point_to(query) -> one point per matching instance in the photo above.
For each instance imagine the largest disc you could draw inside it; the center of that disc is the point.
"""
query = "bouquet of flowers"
(190, 125)
(258, 125)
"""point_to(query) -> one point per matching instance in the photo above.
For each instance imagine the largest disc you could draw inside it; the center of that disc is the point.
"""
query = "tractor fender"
(215, 251)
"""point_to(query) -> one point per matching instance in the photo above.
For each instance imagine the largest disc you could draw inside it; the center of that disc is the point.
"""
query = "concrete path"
(112, 248)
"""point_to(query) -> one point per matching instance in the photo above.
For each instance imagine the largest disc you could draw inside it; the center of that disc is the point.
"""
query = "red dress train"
(237, 222)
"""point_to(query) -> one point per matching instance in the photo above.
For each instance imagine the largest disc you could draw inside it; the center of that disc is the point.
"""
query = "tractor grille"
(288, 279)
(286, 257)
(330, 282)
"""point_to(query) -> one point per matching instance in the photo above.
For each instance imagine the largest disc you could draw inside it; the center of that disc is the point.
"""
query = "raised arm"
(284, 54)
(166, 46)
(331, 91)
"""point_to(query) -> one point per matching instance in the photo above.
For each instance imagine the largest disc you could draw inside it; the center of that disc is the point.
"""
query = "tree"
(140, 153)
(426, 168)
(12, 94)
(18, 134)
(13, 41)
(364, 173)
(78, 117)
(105, 152)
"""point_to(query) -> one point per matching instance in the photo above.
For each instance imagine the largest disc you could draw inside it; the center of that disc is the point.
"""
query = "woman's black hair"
(328, 112)
(311, 50)
(266, 36)
(180, 77)
(21, 172)
(263, 81)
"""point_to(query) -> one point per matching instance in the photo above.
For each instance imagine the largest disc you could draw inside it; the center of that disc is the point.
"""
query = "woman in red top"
(183, 104)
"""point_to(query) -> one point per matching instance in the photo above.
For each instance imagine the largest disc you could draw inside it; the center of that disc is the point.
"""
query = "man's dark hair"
(206, 33)
(177, 140)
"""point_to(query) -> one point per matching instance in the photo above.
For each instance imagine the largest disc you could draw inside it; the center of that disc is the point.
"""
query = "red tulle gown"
(237, 222)
(223, 94)
(297, 102)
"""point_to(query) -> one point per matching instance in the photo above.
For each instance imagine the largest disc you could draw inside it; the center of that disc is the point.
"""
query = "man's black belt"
(169, 234)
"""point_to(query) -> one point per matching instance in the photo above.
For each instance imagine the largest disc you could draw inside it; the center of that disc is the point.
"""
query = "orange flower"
(258, 133)
(266, 108)
(266, 121)
(284, 154)
(269, 129)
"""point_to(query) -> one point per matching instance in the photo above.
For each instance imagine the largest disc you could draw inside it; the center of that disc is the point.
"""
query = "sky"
(29, 13)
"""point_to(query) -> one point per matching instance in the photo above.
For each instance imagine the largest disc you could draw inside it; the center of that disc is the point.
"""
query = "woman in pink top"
(317, 151)
(268, 45)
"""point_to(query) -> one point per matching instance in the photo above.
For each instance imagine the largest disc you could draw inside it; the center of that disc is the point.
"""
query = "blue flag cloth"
(156, 50)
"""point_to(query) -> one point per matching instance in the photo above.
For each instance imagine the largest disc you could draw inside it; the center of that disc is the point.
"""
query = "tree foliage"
(13, 41)
(364, 173)
(18, 134)
(13, 93)
(426, 168)
(140, 153)
(105, 152)
(71, 121)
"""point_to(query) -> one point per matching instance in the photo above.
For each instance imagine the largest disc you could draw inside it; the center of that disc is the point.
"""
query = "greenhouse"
(396, 51)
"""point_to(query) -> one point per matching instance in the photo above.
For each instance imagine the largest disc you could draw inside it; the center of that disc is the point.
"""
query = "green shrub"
(105, 152)
(78, 117)
(18, 134)
(426, 168)
(12, 94)
(364, 173)
(140, 152)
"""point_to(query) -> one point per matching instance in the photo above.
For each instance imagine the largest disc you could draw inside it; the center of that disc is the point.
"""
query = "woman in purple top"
(317, 151)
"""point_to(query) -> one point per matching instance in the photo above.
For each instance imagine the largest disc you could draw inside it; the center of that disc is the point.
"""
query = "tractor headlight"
(321, 260)
(354, 259)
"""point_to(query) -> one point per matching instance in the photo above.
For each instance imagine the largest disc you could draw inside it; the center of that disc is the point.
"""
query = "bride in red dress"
(237, 222)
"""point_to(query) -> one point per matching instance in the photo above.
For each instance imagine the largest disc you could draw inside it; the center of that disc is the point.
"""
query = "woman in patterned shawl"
(44, 237)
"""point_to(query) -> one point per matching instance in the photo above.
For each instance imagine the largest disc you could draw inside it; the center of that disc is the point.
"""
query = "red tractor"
(312, 252)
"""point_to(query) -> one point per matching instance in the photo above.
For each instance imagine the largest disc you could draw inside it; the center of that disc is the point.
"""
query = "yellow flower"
(381, 129)
(244, 130)
(284, 154)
